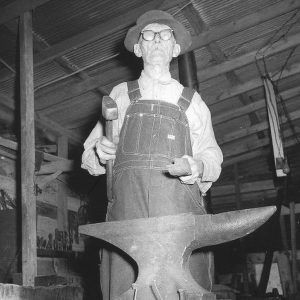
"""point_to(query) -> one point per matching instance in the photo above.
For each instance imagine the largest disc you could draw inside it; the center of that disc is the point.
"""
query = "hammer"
(109, 113)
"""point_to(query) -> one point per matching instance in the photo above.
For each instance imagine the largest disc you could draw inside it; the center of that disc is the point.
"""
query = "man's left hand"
(186, 168)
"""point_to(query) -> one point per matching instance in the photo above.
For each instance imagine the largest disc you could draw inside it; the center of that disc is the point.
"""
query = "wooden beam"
(245, 187)
(6, 101)
(61, 62)
(47, 124)
(257, 105)
(62, 202)
(220, 32)
(6, 115)
(42, 121)
(43, 101)
(7, 65)
(233, 150)
(230, 65)
(246, 156)
(58, 165)
(63, 162)
(129, 19)
(238, 134)
(165, 5)
(265, 150)
(68, 92)
(17, 8)
(218, 56)
(252, 200)
(248, 86)
(28, 198)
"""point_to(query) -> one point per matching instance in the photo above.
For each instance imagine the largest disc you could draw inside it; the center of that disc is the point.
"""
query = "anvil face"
(161, 246)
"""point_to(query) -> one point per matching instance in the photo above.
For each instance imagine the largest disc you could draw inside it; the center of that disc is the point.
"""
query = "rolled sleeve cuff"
(210, 172)
(90, 162)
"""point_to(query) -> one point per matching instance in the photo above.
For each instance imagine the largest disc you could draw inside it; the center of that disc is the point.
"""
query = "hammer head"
(109, 109)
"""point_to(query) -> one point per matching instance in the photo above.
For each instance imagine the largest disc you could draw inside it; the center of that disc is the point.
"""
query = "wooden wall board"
(16, 292)
(8, 245)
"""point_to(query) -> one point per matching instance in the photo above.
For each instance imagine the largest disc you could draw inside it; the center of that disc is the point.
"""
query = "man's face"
(157, 51)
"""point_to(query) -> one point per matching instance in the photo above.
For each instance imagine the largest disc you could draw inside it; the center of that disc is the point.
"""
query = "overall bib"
(153, 133)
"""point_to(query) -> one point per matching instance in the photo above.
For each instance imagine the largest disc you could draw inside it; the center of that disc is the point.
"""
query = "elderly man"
(161, 126)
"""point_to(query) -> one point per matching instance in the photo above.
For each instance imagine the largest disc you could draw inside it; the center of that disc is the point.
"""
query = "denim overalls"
(153, 133)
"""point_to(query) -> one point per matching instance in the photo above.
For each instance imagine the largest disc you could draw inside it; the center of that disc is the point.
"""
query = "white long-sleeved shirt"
(204, 145)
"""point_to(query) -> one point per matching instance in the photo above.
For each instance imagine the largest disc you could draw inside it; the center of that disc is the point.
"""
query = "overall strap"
(133, 90)
(185, 99)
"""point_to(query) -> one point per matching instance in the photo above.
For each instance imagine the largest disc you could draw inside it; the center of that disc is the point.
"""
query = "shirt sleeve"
(90, 160)
(204, 145)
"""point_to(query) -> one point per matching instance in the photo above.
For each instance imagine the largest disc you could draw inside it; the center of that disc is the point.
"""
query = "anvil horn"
(228, 226)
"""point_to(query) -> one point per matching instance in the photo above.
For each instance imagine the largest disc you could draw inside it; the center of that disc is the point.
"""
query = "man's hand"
(179, 167)
(186, 168)
(105, 149)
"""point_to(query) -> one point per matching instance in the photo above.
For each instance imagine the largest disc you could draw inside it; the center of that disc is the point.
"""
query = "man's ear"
(176, 50)
(137, 50)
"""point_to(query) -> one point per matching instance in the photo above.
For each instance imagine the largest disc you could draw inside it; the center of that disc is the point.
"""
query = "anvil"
(162, 246)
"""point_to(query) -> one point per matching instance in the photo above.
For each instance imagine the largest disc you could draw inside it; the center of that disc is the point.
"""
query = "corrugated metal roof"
(46, 73)
(219, 12)
(8, 45)
(178, 15)
(273, 63)
(7, 87)
(97, 51)
(57, 20)
(3, 3)
(251, 38)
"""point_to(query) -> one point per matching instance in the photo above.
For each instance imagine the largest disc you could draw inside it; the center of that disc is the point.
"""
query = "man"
(161, 126)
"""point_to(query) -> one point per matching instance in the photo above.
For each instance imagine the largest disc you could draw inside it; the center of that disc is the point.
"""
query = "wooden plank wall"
(52, 256)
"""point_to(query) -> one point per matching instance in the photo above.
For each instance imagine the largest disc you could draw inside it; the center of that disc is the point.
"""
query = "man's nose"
(157, 37)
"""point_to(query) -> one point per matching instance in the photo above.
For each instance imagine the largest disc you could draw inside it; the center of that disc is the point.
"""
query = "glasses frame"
(157, 33)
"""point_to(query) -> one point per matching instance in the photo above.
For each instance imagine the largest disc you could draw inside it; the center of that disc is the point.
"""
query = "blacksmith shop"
(149, 150)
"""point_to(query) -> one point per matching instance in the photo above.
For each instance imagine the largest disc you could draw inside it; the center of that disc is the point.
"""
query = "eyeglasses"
(149, 35)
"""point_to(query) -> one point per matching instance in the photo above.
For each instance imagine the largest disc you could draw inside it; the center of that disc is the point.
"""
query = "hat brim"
(182, 36)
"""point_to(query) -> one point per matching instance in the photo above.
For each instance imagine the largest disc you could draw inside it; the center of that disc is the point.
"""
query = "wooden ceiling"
(79, 56)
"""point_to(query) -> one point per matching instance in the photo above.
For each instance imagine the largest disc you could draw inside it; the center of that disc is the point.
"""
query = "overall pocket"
(163, 136)
(131, 134)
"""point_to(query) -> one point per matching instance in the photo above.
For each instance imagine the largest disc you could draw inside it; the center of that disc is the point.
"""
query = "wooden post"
(293, 244)
(62, 205)
(28, 198)
(188, 70)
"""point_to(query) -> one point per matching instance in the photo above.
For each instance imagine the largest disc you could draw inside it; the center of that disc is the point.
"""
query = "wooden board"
(16, 292)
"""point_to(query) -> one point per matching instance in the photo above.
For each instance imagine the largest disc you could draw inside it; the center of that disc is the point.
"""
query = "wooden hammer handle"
(110, 113)
(109, 163)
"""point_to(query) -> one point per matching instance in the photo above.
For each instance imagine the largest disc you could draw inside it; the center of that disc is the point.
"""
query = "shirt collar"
(146, 81)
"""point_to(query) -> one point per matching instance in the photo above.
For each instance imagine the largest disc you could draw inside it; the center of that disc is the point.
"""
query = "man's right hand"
(105, 149)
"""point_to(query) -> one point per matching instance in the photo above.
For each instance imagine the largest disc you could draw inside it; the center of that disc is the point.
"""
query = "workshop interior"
(59, 62)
